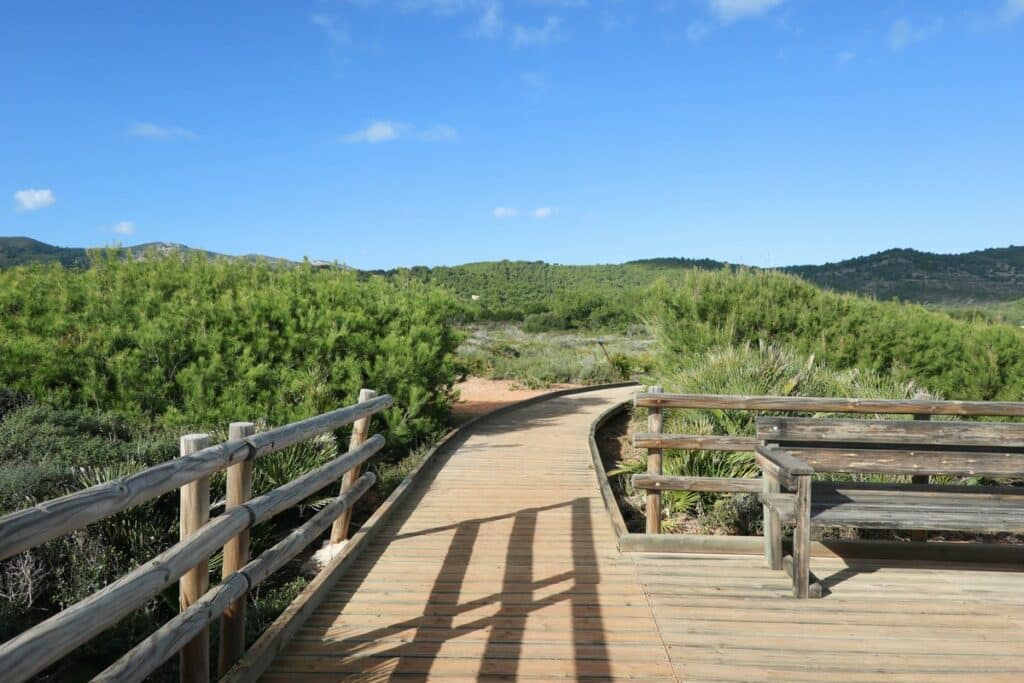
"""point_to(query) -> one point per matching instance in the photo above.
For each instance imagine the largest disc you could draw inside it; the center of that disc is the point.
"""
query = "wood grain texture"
(34, 526)
(236, 554)
(655, 421)
(804, 404)
(996, 436)
(194, 658)
(520, 580)
(708, 484)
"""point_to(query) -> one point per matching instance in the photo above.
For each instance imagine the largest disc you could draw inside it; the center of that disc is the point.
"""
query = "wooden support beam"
(194, 658)
(654, 425)
(920, 535)
(695, 442)
(708, 484)
(236, 555)
(814, 588)
(360, 430)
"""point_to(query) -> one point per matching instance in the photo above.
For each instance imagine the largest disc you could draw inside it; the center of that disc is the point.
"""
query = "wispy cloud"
(387, 131)
(490, 24)
(845, 57)
(1012, 10)
(511, 212)
(548, 32)
(337, 34)
(534, 80)
(505, 212)
(904, 34)
(124, 228)
(728, 11)
(697, 31)
(543, 212)
(159, 132)
(32, 199)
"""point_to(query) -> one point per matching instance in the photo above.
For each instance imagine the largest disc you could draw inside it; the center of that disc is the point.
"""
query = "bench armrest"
(783, 460)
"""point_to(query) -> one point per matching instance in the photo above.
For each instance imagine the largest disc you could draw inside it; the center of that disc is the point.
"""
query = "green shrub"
(195, 341)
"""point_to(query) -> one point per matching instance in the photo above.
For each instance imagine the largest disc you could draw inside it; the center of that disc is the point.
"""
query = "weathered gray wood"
(814, 589)
(865, 459)
(654, 425)
(360, 429)
(147, 656)
(920, 535)
(34, 526)
(194, 514)
(694, 442)
(802, 538)
(236, 555)
(772, 469)
(1000, 436)
(709, 484)
(35, 649)
(784, 458)
(772, 523)
(806, 404)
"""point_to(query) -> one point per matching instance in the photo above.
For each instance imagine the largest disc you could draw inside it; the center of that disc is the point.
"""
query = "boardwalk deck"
(502, 565)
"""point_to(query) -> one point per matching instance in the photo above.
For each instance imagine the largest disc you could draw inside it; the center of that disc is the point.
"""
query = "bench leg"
(772, 526)
(802, 538)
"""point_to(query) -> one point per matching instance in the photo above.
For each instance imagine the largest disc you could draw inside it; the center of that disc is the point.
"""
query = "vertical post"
(920, 535)
(360, 430)
(802, 538)
(236, 554)
(195, 512)
(772, 524)
(654, 425)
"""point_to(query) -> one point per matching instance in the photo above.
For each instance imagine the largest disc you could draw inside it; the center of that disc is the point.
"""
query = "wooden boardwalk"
(502, 565)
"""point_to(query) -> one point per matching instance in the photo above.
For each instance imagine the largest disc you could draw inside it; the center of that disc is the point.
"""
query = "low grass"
(539, 360)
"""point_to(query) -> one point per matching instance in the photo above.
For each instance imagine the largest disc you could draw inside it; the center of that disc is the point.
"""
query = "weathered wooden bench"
(791, 451)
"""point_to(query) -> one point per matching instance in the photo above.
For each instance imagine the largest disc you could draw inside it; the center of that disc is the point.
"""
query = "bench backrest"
(990, 449)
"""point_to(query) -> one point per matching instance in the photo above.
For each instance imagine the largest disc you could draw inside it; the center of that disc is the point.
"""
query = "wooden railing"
(188, 633)
(655, 441)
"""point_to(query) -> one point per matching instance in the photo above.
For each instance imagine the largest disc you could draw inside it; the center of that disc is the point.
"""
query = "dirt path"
(478, 396)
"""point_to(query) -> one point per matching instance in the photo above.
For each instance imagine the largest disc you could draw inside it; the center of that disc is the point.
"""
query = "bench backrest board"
(900, 446)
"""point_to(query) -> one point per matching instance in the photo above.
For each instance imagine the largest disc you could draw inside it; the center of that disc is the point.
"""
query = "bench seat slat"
(900, 509)
(997, 435)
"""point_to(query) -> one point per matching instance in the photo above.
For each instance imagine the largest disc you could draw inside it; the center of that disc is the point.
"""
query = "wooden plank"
(694, 442)
(360, 430)
(709, 484)
(801, 569)
(784, 459)
(1003, 437)
(236, 555)
(194, 658)
(654, 425)
(863, 459)
(806, 404)
(611, 503)
(34, 526)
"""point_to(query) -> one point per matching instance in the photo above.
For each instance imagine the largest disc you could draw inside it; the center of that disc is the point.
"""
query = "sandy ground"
(478, 396)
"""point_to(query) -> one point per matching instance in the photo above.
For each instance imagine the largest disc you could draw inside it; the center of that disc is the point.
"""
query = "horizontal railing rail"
(655, 441)
(37, 648)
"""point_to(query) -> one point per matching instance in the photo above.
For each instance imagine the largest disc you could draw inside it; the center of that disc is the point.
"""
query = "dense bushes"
(957, 358)
(198, 342)
(747, 370)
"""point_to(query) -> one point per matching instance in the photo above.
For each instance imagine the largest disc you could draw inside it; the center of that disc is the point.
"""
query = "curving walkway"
(502, 564)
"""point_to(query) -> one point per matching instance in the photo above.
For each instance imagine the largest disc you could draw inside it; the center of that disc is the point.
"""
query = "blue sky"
(384, 133)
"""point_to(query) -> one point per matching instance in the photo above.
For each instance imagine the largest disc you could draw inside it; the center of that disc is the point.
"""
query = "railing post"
(194, 658)
(236, 554)
(360, 430)
(920, 535)
(654, 425)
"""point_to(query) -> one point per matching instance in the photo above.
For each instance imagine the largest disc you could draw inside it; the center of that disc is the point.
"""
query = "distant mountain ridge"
(978, 277)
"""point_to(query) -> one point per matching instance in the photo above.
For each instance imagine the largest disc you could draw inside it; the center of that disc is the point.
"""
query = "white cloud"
(31, 200)
(505, 212)
(336, 34)
(845, 57)
(904, 34)
(1013, 10)
(543, 212)
(490, 24)
(729, 11)
(534, 80)
(697, 31)
(158, 132)
(388, 131)
(548, 32)
(125, 228)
